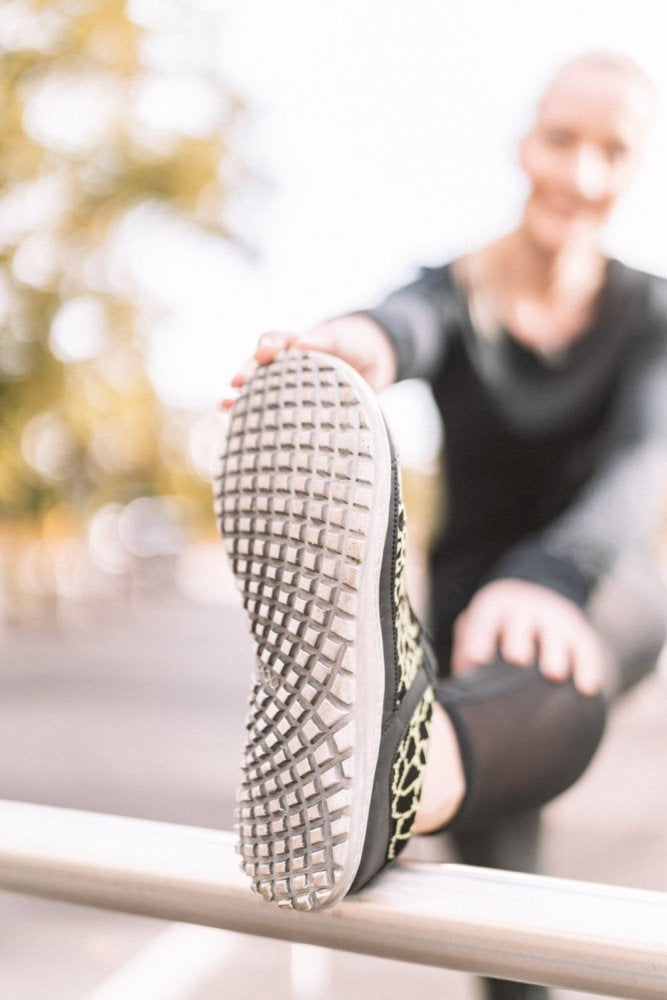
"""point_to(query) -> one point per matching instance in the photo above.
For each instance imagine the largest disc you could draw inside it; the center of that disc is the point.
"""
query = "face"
(581, 153)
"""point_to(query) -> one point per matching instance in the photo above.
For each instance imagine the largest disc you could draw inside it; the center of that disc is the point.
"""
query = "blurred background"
(177, 176)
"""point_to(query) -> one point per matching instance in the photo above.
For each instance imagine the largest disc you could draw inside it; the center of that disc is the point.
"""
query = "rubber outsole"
(303, 501)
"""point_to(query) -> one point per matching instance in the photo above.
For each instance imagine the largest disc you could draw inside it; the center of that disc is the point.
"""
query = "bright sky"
(386, 132)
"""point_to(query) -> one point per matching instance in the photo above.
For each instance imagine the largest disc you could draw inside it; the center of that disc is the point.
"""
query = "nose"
(590, 172)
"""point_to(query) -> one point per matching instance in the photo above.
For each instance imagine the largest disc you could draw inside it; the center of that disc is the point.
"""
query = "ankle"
(444, 779)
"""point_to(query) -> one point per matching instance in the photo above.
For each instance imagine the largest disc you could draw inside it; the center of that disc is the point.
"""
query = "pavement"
(136, 708)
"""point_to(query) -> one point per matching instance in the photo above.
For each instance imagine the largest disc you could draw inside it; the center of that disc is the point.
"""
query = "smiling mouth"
(566, 207)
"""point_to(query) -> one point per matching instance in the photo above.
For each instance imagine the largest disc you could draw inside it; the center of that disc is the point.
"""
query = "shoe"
(309, 506)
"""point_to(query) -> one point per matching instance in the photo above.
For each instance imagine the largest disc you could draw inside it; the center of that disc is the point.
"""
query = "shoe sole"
(303, 505)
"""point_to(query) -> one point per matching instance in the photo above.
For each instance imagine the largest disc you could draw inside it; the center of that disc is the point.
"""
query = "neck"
(543, 272)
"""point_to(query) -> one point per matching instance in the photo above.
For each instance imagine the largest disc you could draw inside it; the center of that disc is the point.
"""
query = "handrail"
(530, 928)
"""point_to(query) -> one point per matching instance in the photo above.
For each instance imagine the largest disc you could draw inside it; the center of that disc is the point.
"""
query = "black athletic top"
(554, 465)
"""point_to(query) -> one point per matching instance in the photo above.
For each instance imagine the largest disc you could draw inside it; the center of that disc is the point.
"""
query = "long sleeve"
(621, 506)
(416, 317)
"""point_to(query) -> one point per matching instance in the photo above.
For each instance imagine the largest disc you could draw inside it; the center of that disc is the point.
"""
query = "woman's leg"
(507, 740)
(522, 739)
(527, 740)
(514, 740)
(513, 845)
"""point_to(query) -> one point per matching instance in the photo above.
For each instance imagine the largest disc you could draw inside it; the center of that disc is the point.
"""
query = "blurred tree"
(114, 113)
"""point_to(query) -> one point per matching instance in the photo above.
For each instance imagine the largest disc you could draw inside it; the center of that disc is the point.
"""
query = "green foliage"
(80, 422)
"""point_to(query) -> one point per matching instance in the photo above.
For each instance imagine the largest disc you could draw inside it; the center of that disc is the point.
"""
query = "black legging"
(525, 739)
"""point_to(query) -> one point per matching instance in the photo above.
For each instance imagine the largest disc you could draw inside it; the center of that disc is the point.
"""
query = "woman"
(548, 362)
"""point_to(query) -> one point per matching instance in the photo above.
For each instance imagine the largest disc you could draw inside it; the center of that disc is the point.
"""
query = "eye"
(616, 151)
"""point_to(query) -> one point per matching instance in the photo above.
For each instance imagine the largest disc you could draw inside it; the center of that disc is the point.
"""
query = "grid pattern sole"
(294, 501)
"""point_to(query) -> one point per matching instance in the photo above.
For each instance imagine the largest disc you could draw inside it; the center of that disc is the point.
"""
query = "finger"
(588, 668)
(517, 642)
(271, 344)
(475, 641)
(242, 376)
(555, 656)
(227, 403)
(459, 665)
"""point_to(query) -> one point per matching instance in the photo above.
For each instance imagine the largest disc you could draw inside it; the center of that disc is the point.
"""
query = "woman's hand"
(528, 623)
(359, 340)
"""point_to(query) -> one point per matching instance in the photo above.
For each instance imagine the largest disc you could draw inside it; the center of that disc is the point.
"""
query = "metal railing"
(530, 928)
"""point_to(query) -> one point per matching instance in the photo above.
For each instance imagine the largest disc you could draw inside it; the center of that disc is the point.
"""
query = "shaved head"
(607, 62)
(616, 71)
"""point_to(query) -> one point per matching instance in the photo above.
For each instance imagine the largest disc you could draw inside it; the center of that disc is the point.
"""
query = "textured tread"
(295, 500)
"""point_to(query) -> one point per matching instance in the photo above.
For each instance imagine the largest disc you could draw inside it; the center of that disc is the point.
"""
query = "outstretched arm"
(404, 337)
(532, 607)
(356, 339)
(621, 507)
